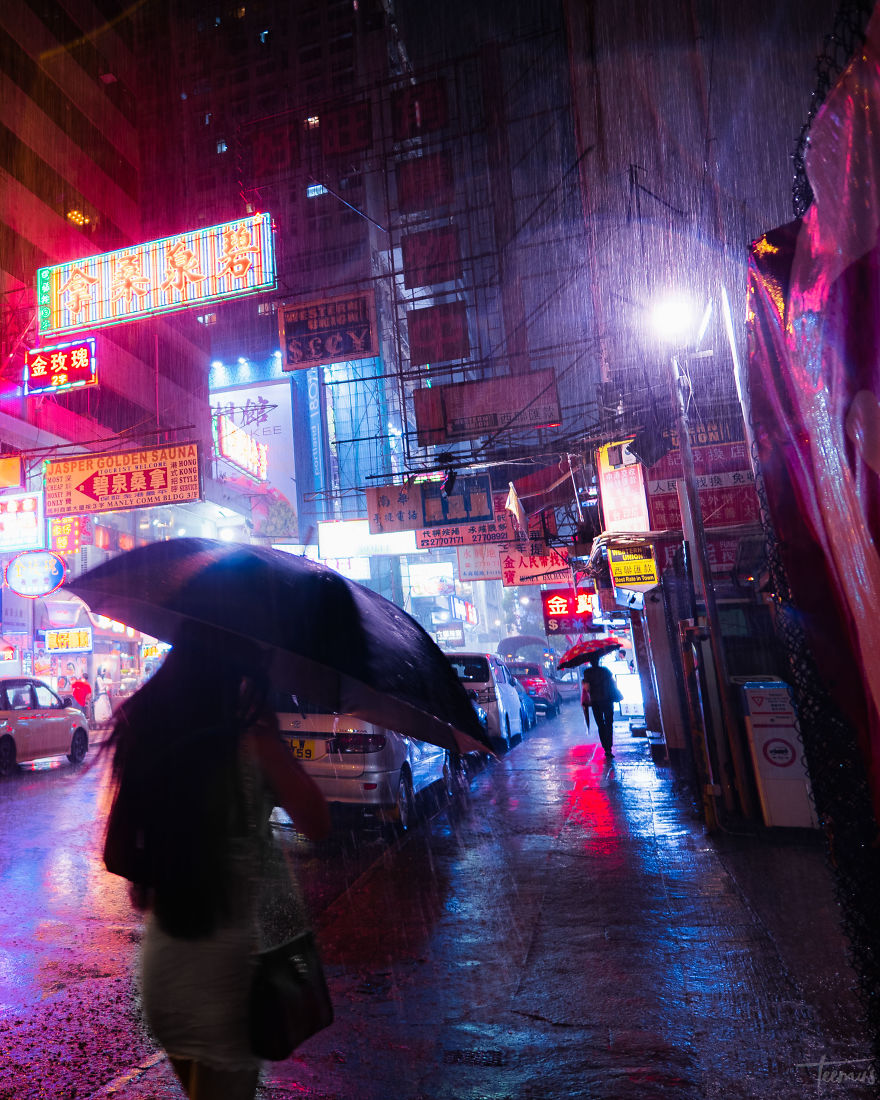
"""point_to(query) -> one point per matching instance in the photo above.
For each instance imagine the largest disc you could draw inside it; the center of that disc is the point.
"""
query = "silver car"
(360, 764)
(35, 724)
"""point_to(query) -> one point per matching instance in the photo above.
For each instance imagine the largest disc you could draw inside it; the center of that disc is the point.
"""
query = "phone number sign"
(131, 479)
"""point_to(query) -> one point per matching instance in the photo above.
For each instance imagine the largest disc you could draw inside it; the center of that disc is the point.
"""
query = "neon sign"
(22, 526)
(241, 449)
(61, 367)
(35, 573)
(203, 265)
(73, 640)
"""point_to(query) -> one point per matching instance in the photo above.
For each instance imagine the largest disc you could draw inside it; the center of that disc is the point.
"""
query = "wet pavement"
(569, 930)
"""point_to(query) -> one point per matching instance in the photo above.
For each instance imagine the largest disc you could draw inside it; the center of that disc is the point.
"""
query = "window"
(46, 697)
(315, 189)
(207, 318)
(222, 146)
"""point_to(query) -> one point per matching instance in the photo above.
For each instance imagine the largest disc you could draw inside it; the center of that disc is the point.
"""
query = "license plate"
(302, 750)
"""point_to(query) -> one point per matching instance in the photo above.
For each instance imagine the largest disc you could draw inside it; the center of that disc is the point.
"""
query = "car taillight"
(357, 742)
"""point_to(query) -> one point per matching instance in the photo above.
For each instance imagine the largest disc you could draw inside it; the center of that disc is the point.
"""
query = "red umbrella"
(579, 654)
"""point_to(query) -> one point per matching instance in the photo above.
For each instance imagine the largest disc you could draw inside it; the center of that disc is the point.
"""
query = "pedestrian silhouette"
(602, 691)
(198, 765)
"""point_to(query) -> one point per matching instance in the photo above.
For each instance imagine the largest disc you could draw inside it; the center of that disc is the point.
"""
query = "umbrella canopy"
(580, 653)
(334, 643)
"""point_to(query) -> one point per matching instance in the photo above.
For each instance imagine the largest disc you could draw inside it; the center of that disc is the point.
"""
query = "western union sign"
(633, 567)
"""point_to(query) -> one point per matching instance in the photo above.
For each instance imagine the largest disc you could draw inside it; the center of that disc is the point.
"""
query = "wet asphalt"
(564, 928)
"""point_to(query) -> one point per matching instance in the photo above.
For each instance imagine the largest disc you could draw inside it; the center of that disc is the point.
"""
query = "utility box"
(778, 755)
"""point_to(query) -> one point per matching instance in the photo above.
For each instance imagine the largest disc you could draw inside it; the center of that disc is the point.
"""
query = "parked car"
(568, 684)
(35, 723)
(359, 764)
(527, 711)
(541, 688)
(489, 677)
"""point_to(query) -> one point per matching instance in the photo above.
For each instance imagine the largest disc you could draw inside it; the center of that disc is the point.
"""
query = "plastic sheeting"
(813, 384)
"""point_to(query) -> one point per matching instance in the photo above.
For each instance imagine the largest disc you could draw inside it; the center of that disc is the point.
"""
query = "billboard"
(328, 330)
(466, 410)
(254, 426)
(187, 269)
(119, 480)
(521, 567)
(438, 333)
(61, 367)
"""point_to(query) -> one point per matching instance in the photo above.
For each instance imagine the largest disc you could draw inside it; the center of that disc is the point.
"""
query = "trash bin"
(777, 754)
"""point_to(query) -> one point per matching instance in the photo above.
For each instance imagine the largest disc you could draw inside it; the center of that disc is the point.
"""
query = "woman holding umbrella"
(198, 766)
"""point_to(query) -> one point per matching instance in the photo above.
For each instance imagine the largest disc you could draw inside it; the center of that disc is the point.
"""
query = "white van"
(357, 763)
(488, 676)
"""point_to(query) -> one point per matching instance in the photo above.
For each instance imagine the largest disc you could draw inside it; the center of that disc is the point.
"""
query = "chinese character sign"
(74, 640)
(567, 611)
(60, 367)
(204, 265)
(133, 479)
(522, 567)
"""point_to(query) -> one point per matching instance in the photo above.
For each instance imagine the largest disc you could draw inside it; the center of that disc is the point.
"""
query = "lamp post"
(674, 320)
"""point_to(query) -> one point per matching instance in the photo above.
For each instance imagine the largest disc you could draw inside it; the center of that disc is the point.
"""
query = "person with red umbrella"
(601, 689)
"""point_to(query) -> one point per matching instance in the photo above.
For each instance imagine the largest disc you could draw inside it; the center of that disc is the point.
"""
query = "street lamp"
(674, 321)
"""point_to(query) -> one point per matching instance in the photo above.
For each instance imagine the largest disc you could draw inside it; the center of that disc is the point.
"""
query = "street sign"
(130, 479)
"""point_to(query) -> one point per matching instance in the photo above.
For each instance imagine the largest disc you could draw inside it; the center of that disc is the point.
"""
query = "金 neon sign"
(241, 449)
(61, 367)
(203, 265)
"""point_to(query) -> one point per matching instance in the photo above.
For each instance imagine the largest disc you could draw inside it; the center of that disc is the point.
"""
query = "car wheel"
(455, 774)
(404, 811)
(7, 756)
(79, 746)
(508, 740)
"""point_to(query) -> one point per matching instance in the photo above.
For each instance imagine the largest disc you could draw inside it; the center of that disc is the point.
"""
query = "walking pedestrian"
(603, 693)
(198, 765)
(81, 690)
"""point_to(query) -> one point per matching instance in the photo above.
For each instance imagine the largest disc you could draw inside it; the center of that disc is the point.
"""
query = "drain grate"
(474, 1058)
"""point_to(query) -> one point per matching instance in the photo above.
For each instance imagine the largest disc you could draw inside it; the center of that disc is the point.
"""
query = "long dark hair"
(176, 765)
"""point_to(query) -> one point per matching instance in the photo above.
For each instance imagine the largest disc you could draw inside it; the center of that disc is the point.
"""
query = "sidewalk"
(569, 930)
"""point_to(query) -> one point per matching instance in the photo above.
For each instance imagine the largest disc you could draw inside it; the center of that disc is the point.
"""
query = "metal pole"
(707, 591)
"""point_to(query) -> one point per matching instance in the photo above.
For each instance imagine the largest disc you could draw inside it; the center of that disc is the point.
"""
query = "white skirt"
(195, 995)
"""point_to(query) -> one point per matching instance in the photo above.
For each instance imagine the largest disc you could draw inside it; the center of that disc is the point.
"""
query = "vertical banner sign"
(438, 333)
(60, 367)
(131, 479)
(203, 265)
(329, 330)
(262, 415)
(622, 489)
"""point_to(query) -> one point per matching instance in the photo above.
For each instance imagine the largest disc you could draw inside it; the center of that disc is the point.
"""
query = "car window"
(46, 697)
(19, 697)
(473, 670)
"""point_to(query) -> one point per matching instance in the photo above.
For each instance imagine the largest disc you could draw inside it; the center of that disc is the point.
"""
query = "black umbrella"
(334, 643)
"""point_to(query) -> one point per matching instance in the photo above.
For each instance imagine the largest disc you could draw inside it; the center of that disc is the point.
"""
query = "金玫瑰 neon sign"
(241, 449)
(61, 367)
(204, 265)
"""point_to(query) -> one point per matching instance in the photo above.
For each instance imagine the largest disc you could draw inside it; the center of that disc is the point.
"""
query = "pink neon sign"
(204, 265)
